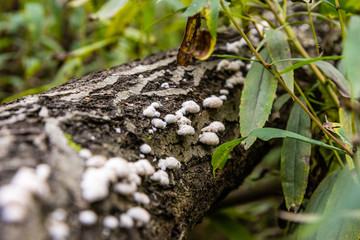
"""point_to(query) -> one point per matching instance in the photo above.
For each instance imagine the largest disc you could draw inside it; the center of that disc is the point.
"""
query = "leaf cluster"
(335, 94)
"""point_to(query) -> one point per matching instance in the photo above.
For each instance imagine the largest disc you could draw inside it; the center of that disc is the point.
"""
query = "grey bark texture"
(103, 112)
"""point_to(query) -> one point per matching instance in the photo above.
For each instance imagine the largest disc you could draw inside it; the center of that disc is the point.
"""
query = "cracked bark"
(90, 109)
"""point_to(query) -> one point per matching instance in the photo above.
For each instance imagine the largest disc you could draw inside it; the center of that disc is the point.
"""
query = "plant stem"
(291, 34)
(244, 36)
(315, 115)
(282, 83)
(313, 29)
(285, 9)
(341, 20)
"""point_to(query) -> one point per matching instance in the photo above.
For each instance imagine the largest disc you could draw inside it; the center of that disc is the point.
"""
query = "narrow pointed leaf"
(346, 136)
(334, 199)
(212, 16)
(256, 99)
(230, 227)
(221, 154)
(304, 61)
(269, 133)
(279, 48)
(295, 158)
(336, 77)
(352, 55)
(109, 9)
(194, 7)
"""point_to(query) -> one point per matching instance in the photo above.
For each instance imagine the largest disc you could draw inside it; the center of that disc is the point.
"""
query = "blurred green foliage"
(44, 43)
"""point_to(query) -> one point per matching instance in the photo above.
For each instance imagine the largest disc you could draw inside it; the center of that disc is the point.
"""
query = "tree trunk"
(103, 112)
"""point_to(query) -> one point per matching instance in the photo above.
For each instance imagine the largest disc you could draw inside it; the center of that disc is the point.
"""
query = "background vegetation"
(44, 43)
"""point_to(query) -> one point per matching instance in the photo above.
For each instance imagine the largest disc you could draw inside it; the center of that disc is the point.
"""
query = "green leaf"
(304, 61)
(212, 16)
(280, 101)
(328, 2)
(89, 48)
(257, 98)
(235, 57)
(352, 55)
(345, 133)
(335, 199)
(295, 158)
(231, 228)
(269, 35)
(221, 154)
(34, 17)
(269, 133)
(109, 9)
(336, 77)
(194, 7)
(279, 48)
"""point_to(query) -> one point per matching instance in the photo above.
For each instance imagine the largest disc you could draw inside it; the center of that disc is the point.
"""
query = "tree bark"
(103, 112)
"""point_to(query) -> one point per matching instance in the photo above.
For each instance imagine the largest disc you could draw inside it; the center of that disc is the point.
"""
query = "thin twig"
(282, 83)
(313, 29)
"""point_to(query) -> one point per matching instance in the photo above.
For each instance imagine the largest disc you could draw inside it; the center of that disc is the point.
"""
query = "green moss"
(72, 144)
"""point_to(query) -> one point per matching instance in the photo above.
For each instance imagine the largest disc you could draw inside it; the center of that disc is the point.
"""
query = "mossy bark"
(103, 112)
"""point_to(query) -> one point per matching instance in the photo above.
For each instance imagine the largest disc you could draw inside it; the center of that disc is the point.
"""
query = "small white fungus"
(165, 85)
(92, 138)
(169, 163)
(26, 178)
(87, 217)
(85, 153)
(43, 171)
(170, 118)
(183, 121)
(160, 176)
(11, 193)
(185, 130)
(155, 105)
(234, 80)
(126, 221)
(234, 47)
(94, 184)
(180, 113)
(150, 131)
(223, 64)
(14, 213)
(58, 230)
(145, 148)
(96, 161)
(235, 65)
(224, 92)
(143, 167)
(110, 222)
(209, 138)
(190, 107)
(141, 155)
(150, 111)
(141, 198)
(158, 123)
(139, 214)
(134, 178)
(118, 130)
(215, 127)
(212, 102)
(125, 188)
(223, 97)
(119, 165)
(59, 215)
